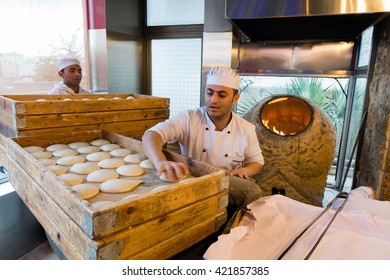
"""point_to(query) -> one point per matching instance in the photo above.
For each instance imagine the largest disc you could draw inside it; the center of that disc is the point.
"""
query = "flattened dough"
(57, 169)
(70, 160)
(119, 185)
(111, 163)
(120, 152)
(71, 179)
(109, 147)
(102, 175)
(86, 190)
(134, 158)
(65, 152)
(84, 168)
(76, 145)
(98, 156)
(163, 177)
(147, 164)
(88, 149)
(132, 170)
(99, 142)
(47, 161)
(41, 154)
(32, 149)
(56, 147)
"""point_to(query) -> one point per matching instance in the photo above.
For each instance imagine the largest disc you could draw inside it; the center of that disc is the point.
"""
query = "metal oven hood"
(294, 20)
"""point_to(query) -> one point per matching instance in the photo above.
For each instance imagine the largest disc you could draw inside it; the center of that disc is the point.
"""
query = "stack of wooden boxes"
(156, 221)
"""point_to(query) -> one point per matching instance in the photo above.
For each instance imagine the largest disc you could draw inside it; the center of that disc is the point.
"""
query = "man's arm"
(152, 143)
(246, 172)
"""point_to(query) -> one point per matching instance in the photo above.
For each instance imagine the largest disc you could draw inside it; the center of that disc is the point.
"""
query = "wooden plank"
(3, 151)
(182, 240)
(78, 119)
(68, 235)
(27, 104)
(8, 120)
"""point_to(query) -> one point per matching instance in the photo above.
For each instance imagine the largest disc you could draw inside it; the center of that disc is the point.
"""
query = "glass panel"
(175, 12)
(354, 126)
(365, 47)
(34, 34)
(176, 72)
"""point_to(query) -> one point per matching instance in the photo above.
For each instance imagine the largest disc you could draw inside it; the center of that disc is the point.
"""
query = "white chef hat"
(223, 76)
(67, 61)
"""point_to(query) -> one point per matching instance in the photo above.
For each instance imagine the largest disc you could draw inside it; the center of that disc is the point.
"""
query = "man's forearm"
(152, 144)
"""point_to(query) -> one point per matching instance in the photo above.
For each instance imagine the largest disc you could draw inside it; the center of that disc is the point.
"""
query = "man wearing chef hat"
(213, 134)
(70, 71)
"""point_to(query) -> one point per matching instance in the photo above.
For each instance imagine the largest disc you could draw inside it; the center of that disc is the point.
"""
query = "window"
(34, 34)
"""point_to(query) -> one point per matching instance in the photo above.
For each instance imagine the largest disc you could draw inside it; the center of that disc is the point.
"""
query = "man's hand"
(175, 171)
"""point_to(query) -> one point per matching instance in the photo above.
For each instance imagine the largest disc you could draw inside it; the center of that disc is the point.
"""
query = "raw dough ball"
(103, 204)
(65, 152)
(88, 149)
(42, 154)
(56, 147)
(76, 145)
(47, 161)
(67, 99)
(71, 179)
(32, 149)
(120, 152)
(130, 97)
(98, 156)
(103, 175)
(134, 158)
(57, 169)
(86, 190)
(111, 163)
(41, 100)
(70, 160)
(119, 185)
(84, 168)
(147, 163)
(109, 147)
(117, 98)
(99, 142)
(130, 170)
(163, 177)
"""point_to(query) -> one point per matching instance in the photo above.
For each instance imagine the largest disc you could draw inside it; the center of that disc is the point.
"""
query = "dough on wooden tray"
(135, 158)
(102, 204)
(88, 149)
(86, 190)
(120, 152)
(57, 169)
(76, 145)
(109, 147)
(70, 160)
(84, 168)
(102, 175)
(71, 179)
(56, 147)
(147, 164)
(98, 156)
(32, 149)
(41, 154)
(132, 170)
(111, 163)
(99, 142)
(163, 177)
(47, 161)
(65, 152)
(119, 185)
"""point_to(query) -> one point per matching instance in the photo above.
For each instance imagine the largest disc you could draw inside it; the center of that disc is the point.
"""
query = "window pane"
(365, 47)
(175, 12)
(34, 34)
(176, 72)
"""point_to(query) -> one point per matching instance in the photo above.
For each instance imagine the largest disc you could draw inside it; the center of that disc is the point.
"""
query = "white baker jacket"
(195, 132)
(61, 88)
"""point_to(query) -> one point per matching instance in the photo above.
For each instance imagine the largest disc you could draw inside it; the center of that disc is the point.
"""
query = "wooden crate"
(23, 115)
(134, 227)
(3, 152)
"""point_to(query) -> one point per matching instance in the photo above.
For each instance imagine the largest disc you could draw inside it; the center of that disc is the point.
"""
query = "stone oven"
(298, 142)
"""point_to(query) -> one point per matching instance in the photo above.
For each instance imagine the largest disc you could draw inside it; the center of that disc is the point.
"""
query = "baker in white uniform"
(70, 71)
(212, 134)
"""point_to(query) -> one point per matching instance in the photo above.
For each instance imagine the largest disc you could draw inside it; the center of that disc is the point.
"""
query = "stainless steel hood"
(293, 20)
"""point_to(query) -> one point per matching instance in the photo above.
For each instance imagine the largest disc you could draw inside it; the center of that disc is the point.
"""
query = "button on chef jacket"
(198, 139)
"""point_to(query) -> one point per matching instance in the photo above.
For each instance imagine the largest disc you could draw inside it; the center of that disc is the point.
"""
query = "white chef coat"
(61, 88)
(237, 143)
